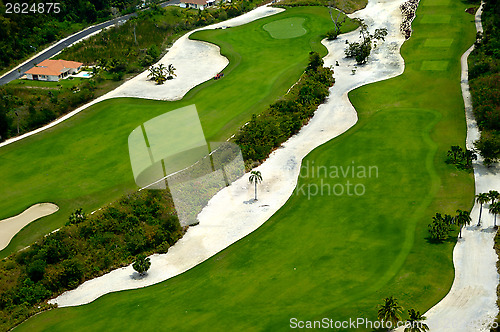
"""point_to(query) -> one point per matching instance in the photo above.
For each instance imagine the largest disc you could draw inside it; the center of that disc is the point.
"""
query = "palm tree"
(495, 209)
(170, 71)
(493, 195)
(461, 219)
(390, 311)
(481, 199)
(415, 322)
(255, 177)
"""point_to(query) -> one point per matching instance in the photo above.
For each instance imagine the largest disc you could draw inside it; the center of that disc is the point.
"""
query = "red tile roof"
(197, 2)
(53, 67)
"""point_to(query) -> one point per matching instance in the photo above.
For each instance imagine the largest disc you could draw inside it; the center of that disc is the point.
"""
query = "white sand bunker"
(229, 216)
(11, 226)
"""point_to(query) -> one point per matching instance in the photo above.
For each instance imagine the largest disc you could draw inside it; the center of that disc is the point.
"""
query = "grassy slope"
(84, 161)
(332, 256)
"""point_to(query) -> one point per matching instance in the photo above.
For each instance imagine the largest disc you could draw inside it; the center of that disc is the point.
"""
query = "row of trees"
(285, 117)
(484, 75)
(88, 246)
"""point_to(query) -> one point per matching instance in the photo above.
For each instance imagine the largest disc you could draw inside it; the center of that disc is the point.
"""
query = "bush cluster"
(285, 117)
(87, 247)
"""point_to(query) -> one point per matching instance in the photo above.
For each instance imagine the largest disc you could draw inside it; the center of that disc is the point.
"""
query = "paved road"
(50, 52)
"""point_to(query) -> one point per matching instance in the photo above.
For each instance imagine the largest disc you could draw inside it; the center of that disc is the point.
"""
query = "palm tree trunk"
(495, 220)
(480, 212)
(255, 189)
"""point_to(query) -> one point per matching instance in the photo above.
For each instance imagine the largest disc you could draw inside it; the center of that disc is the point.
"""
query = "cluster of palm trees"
(460, 157)
(440, 227)
(160, 73)
(390, 312)
(484, 198)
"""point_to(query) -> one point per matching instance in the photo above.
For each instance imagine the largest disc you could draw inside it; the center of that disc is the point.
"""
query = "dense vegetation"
(87, 247)
(349, 6)
(24, 34)
(123, 50)
(484, 79)
(285, 117)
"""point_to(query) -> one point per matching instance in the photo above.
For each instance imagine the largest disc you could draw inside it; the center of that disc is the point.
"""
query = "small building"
(196, 4)
(53, 70)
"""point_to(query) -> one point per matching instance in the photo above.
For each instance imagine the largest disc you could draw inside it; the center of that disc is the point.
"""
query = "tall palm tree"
(493, 195)
(390, 311)
(461, 219)
(255, 177)
(495, 209)
(481, 198)
(415, 322)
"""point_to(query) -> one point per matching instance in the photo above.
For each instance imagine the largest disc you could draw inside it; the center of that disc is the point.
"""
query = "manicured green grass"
(332, 256)
(438, 42)
(433, 19)
(65, 83)
(84, 162)
(434, 65)
(286, 28)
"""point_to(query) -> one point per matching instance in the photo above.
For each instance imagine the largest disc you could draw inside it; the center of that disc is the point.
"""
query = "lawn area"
(333, 256)
(84, 162)
(65, 83)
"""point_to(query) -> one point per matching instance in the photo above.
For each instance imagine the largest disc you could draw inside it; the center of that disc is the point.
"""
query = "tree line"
(484, 78)
(87, 247)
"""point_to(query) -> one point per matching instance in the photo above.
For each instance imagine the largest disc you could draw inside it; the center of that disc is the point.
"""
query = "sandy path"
(228, 217)
(196, 62)
(471, 303)
(11, 226)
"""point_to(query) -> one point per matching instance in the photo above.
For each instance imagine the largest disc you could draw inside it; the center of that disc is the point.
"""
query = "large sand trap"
(471, 303)
(229, 216)
(195, 61)
(11, 226)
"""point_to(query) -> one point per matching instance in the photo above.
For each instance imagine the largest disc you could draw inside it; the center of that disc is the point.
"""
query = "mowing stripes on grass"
(438, 42)
(286, 28)
(435, 3)
(434, 65)
(436, 19)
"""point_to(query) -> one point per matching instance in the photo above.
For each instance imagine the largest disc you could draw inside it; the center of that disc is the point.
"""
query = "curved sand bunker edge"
(11, 226)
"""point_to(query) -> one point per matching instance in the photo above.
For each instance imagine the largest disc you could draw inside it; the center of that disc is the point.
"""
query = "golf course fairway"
(334, 256)
(84, 161)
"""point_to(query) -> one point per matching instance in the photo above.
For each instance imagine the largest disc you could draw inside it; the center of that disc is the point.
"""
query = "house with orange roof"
(196, 4)
(53, 70)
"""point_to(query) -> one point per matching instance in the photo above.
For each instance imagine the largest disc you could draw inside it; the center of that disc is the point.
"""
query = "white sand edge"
(471, 303)
(11, 226)
(196, 62)
(228, 216)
